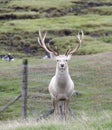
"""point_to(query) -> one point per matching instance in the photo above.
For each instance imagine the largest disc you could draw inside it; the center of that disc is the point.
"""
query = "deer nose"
(62, 65)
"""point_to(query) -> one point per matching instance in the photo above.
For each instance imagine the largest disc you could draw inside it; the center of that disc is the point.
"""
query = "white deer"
(61, 86)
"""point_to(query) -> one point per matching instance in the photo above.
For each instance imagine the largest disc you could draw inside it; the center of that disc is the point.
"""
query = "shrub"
(3, 37)
(17, 37)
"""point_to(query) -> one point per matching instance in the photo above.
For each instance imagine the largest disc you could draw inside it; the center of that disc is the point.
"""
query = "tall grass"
(85, 121)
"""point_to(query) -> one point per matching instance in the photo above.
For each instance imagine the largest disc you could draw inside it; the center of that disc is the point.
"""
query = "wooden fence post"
(24, 88)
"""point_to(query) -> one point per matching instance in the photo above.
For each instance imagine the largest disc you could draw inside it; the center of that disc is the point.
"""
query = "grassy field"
(91, 69)
(101, 121)
(91, 75)
(40, 4)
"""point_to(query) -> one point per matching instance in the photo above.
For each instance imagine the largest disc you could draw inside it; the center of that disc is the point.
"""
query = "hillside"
(90, 68)
(21, 20)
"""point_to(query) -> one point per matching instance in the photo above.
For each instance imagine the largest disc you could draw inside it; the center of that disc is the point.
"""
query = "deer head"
(61, 59)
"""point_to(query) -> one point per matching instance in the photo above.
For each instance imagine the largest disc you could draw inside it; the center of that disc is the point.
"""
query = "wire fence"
(90, 75)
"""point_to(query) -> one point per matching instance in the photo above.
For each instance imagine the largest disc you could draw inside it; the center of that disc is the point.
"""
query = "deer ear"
(69, 57)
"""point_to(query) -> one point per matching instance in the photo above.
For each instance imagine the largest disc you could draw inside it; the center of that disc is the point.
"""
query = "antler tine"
(41, 41)
(67, 52)
(40, 35)
(79, 38)
(54, 51)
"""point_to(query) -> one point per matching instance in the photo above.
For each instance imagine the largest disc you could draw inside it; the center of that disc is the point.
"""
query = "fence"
(90, 73)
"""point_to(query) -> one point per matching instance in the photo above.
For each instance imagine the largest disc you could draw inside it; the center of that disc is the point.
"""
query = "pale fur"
(61, 85)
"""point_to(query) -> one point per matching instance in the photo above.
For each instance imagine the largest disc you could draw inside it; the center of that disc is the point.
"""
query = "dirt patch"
(82, 6)
(5, 1)
(15, 16)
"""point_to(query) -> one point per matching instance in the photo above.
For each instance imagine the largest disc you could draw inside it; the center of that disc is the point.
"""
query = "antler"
(79, 38)
(41, 41)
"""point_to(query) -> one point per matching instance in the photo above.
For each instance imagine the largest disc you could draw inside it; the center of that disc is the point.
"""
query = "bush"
(107, 39)
(3, 37)
(17, 37)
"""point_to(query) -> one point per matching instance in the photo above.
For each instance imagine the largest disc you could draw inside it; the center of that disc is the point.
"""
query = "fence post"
(24, 88)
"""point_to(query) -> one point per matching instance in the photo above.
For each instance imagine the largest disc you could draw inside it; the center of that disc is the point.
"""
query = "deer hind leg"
(67, 109)
(70, 110)
(60, 104)
(71, 113)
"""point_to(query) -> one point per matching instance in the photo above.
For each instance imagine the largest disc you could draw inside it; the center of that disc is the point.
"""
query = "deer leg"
(71, 113)
(54, 103)
(69, 109)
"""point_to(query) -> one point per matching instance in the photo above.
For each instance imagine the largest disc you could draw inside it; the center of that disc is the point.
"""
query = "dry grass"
(84, 121)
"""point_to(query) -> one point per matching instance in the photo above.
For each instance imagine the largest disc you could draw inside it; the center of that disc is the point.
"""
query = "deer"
(61, 86)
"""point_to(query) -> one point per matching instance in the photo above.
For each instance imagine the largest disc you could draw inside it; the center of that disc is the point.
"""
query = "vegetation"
(91, 75)
(92, 107)
(101, 121)
(62, 19)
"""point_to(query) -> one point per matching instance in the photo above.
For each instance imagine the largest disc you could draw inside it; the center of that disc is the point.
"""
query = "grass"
(101, 121)
(100, 28)
(88, 23)
(20, 15)
(69, 22)
(91, 75)
(62, 19)
(104, 10)
(40, 4)
(90, 45)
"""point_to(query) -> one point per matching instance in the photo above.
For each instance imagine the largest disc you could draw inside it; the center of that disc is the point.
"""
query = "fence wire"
(90, 74)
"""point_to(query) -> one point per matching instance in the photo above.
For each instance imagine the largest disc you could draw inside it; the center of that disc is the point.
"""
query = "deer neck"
(62, 75)
(62, 78)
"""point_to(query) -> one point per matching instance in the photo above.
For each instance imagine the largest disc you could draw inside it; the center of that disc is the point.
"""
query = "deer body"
(61, 86)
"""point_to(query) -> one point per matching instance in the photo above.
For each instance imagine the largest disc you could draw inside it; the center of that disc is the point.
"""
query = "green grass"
(58, 17)
(101, 121)
(39, 4)
(86, 22)
(89, 46)
(21, 14)
(104, 10)
(91, 75)
(99, 26)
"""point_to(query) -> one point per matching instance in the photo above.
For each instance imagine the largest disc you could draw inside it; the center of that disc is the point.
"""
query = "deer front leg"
(60, 104)
(54, 103)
